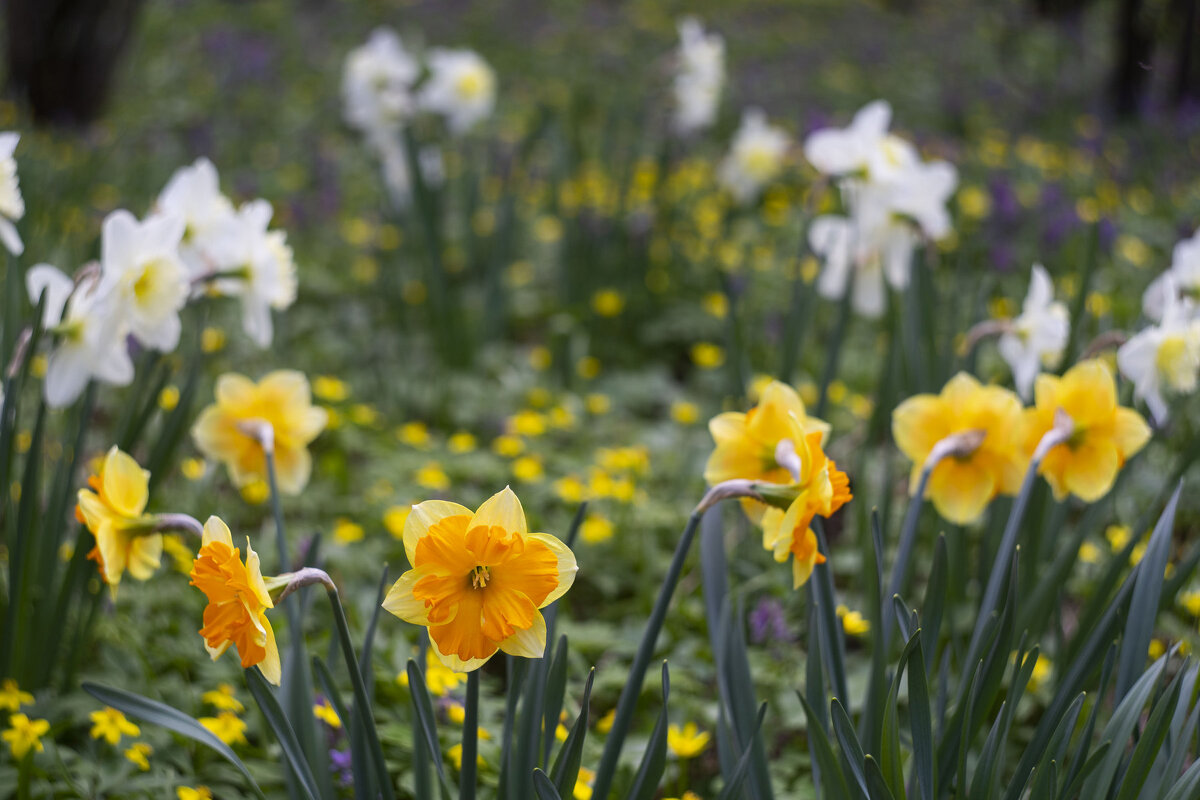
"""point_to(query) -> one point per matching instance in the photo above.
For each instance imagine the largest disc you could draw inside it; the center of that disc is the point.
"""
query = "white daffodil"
(193, 194)
(850, 150)
(12, 205)
(1036, 338)
(1183, 275)
(461, 87)
(920, 191)
(1164, 357)
(90, 335)
(141, 267)
(755, 157)
(699, 77)
(377, 83)
(255, 265)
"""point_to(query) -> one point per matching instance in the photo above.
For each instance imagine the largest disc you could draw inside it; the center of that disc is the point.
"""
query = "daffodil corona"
(238, 600)
(113, 508)
(478, 580)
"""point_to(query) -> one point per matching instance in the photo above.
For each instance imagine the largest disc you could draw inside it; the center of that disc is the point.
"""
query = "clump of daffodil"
(249, 419)
(746, 442)
(1100, 434)
(113, 508)
(478, 580)
(238, 599)
(985, 459)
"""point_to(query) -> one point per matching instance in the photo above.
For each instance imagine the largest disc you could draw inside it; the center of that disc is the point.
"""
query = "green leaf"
(470, 739)
(369, 639)
(544, 788)
(1149, 744)
(920, 722)
(277, 721)
(1143, 607)
(831, 627)
(654, 761)
(852, 751)
(831, 779)
(877, 788)
(423, 707)
(935, 601)
(1188, 785)
(360, 759)
(165, 716)
(1120, 728)
(570, 756)
(734, 781)
(552, 701)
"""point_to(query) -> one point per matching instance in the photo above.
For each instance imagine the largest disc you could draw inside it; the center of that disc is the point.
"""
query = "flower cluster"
(892, 200)
(192, 244)
(699, 77)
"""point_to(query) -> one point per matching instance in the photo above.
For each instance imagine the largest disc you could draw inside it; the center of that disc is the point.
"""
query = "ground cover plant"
(739, 400)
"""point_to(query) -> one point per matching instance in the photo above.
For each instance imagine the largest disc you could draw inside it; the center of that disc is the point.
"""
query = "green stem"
(637, 673)
(24, 776)
(470, 739)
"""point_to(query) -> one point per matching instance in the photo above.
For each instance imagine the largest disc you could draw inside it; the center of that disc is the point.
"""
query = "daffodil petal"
(567, 565)
(502, 510)
(424, 516)
(530, 643)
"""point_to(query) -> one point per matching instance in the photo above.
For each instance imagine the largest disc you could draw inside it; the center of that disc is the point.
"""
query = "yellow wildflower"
(168, 398)
(110, 725)
(527, 423)
(854, 623)
(198, 793)
(139, 754)
(707, 355)
(223, 698)
(597, 404)
(608, 302)
(226, 726)
(237, 601)
(347, 531)
(414, 434)
(25, 734)
(596, 529)
(324, 711)
(1104, 434)
(528, 469)
(478, 580)
(282, 400)
(570, 489)
(684, 412)
(587, 367)
(1089, 553)
(508, 446)
(330, 389)
(461, 442)
(1117, 536)
(1190, 600)
(583, 784)
(193, 468)
(688, 741)
(455, 756)
(394, 518)
(11, 696)
(432, 477)
(961, 486)
(114, 511)
(605, 723)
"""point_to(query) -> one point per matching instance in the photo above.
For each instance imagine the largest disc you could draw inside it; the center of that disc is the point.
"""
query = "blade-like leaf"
(544, 788)
(735, 780)
(566, 766)
(645, 783)
(284, 734)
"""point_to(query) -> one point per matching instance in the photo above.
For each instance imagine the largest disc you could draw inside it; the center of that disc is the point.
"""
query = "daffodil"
(25, 734)
(1181, 281)
(225, 430)
(377, 87)
(755, 157)
(140, 265)
(746, 442)
(1037, 337)
(12, 205)
(461, 87)
(238, 600)
(962, 484)
(478, 580)
(699, 77)
(193, 194)
(113, 508)
(110, 725)
(1102, 436)
(843, 151)
(688, 741)
(1164, 357)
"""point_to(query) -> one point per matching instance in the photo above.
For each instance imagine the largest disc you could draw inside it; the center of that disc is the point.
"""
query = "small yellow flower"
(596, 529)
(431, 476)
(1041, 672)
(1118, 536)
(962, 486)
(1089, 553)
(347, 531)
(605, 723)
(583, 784)
(587, 367)
(456, 713)
(223, 698)
(455, 756)
(1105, 434)
(281, 399)
(597, 404)
(570, 489)
(527, 423)
(508, 446)
(181, 555)
(716, 304)
(330, 389)
(684, 412)
(11, 696)
(237, 601)
(364, 415)
(528, 469)
(414, 434)
(114, 511)
(212, 340)
(188, 793)
(608, 303)
(226, 726)
(854, 623)
(687, 742)
(1190, 600)
(193, 468)
(461, 442)
(707, 355)
(1156, 648)
(168, 398)
(539, 358)
(110, 724)
(394, 519)
(139, 754)
(25, 734)
(478, 580)
(324, 711)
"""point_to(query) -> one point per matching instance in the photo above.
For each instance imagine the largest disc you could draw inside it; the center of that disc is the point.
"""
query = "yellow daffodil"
(114, 511)
(478, 580)
(139, 754)
(110, 725)
(11, 696)
(688, 741)
(282, 400)
(237, 601)
(1103, 434)
(226, 726)
(223, 698)
(746, 442)
(324, 711)
(25, 734)
(198, 793)
(962, 485)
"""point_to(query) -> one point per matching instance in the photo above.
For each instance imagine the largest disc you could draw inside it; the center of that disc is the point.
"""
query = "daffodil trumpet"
(957, 445)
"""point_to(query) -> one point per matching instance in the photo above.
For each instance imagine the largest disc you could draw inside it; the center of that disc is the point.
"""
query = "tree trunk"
(1187, 76)
(1135, 49)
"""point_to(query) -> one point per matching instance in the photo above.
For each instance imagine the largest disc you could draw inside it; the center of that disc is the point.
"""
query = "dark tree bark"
(1135, 49)
(62, 54)
(1187, 75)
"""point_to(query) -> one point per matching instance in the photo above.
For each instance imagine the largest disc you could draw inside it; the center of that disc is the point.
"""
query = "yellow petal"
(1088, 393)
(113, 550)
(779, 415)
(255, 577)
(502, 510)
(126, 485)
(216, 531)
(1130, 432)
(234, 390)
(1091, 468)
(801, 571)
(567, 566)
(293, 465)
(529, 643)
(145, 556)
(270, 664)
(727, 426)
(401, 602)
(918, 424)
(453, 662)
(961, 490)
(424, 516)
(93, 509)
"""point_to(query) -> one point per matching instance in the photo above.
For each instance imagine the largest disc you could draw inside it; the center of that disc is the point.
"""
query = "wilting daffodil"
(1103, 434)
(238, 599)
(962, 483)
(478, 580)
(114, 511)
(231, 430)
(746, 442)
